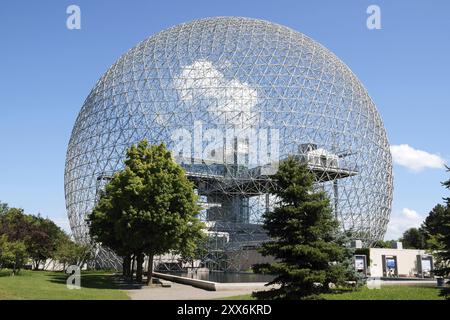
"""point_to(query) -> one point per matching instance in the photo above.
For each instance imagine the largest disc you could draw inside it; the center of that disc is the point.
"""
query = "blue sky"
(46, 72)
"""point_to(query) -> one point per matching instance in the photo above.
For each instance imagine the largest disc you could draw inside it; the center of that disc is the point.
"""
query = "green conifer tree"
(306, 243)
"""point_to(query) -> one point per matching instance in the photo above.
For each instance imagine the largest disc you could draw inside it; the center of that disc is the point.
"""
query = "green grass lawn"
(100, 285)
(33, 285)
(243, 297)
(398, 292)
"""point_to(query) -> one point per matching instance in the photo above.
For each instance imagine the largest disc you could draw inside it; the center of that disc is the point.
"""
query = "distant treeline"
(30, 240)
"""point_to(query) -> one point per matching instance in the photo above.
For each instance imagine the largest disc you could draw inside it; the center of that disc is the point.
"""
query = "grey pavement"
(182, 292)
(179, 291)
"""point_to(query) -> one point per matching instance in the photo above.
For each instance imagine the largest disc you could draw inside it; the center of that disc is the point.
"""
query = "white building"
(398, 263)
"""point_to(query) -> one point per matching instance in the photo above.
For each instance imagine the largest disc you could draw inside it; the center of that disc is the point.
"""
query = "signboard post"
(360, 263)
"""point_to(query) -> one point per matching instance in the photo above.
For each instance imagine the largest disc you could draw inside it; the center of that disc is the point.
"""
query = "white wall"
(406, 261)
(54, 265)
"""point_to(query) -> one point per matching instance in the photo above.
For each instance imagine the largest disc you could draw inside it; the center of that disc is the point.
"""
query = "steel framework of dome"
(201, 85)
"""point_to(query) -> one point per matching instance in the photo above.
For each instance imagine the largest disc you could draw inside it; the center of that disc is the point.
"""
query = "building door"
(360, 262)
(390, 268)
(424, 266)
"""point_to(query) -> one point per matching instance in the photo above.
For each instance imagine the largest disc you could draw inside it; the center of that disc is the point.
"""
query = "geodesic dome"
(232, 97)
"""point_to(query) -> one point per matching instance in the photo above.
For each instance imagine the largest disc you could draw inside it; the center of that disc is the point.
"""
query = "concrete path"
(182, 292)
(408, 282)
(179, 291)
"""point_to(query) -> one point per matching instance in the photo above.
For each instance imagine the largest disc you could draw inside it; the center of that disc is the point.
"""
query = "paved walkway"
(182, 292)
(186, 292)
(408, 282)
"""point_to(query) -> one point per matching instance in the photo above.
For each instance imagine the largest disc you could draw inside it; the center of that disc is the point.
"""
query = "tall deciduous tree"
(12, 254)
(43, 240)
(149, 208)
(193, 252)
(434, 226)
(71, 253)
(414, 238)
(306, 242)
(39, 235)
(15, 224)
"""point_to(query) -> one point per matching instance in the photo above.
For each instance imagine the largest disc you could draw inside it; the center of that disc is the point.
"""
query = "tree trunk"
(140, 261)
(133, 260)
(126, 266)
(150, 269)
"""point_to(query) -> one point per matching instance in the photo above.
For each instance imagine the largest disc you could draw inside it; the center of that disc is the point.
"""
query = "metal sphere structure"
(231, 97)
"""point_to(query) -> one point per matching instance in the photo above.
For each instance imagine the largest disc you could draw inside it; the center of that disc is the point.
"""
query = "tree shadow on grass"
(93, 280)
(445, 292)
(4, 273)
(9, 273)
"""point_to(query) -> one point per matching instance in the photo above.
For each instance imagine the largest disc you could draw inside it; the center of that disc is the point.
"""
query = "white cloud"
(411, 214)
(400, 222)
(415, 160)
(234, 100)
